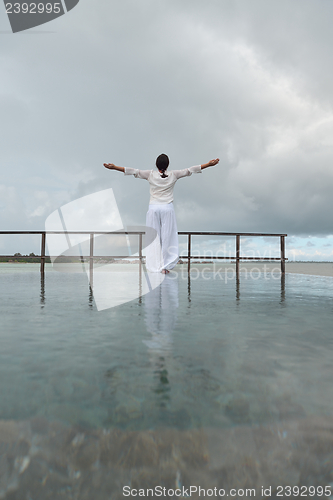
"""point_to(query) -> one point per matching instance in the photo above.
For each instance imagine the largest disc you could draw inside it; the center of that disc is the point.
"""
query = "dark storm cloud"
(249, 82)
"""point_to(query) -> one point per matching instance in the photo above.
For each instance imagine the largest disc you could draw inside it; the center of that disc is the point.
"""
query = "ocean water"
(235, 361)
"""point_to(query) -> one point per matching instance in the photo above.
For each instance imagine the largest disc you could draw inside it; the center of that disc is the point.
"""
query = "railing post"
(42, 254)
(189, 254)
(140, 268)
(237, 254)
(91, 259)
(283, 263)
(140, 248)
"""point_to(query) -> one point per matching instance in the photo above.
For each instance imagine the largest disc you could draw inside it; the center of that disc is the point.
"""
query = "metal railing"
(238, 257)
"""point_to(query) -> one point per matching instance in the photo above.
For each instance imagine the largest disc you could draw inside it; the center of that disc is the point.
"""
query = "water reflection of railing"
(238, 288)
(237, 284)
(237, 258)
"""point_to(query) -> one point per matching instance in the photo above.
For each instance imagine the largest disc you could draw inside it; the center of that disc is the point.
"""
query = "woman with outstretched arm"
(162, 255)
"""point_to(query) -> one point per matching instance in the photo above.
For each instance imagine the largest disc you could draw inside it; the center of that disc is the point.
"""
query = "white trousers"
(162, 252)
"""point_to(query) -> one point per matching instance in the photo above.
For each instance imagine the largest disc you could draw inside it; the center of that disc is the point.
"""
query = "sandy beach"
(309, 268)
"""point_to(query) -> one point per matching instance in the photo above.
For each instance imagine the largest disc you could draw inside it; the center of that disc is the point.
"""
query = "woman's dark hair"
(162, 163)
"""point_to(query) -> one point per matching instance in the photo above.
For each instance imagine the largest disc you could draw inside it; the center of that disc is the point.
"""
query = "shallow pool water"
(205, 352)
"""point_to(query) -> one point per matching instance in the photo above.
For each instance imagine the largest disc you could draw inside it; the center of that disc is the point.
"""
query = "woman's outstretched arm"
(211, 163)
(194, 170)
(111, 166)
(139, 174)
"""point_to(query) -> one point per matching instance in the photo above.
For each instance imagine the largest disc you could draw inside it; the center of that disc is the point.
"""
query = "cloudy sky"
(248, 81)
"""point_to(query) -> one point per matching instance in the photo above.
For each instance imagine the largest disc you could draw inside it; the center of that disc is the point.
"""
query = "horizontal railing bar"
(134, 257)
(70, 257)
(231, 258)
(72, 232)
(195, 233)
(95, 257)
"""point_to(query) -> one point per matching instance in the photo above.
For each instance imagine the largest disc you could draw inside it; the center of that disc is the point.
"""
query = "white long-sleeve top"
(161, 188)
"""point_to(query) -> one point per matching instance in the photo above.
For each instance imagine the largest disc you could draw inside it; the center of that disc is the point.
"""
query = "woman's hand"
(112, 166)
(211, 163)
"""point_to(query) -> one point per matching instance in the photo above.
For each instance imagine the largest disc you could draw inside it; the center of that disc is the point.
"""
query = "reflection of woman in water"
(162, 255)
(160, 308)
